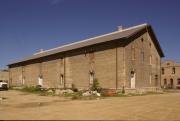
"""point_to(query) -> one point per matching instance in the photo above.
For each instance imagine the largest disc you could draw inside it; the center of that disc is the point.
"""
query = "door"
(171, 83)
(133, 79)
(40, 80)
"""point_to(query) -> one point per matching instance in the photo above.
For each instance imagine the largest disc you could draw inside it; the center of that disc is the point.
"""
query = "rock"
(94, 92)
(69, 91)
(50, 91)
(98, 94)
(58, 92)
(65, 91)
(86, 93)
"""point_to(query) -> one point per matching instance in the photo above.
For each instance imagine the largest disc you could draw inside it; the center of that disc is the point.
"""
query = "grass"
(78, 95)
(35, 90)
(171, 90)
(135, 94)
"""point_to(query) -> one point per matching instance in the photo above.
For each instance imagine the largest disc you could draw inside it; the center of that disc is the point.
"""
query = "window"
(142, 39)
(171, 83)
(173, 70)
(150, 59)
(156, 80)
(133, 53)
(150, 45)
(150, 78)
(142, 56)
(61, 79)
(156, 62)
(178, 81)
(165, 82)
(162, 71)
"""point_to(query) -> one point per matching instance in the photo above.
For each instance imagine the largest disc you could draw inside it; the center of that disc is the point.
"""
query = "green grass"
(171, 90)
(35, 90)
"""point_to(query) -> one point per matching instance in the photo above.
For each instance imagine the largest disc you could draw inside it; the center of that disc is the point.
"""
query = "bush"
(74, 88)
(123, 90)
(95, 86)
(35, 90)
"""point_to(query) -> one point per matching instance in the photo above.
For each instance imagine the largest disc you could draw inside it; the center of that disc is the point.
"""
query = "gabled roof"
(124, 33)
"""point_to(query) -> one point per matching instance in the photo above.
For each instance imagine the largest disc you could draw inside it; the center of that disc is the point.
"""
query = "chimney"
(120, 28)
(41, 50)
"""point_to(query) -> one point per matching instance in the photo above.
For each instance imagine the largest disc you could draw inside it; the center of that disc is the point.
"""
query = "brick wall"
(110, 62)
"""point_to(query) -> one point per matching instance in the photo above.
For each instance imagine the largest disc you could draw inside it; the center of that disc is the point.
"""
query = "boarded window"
(150, 59)
(142, 56)
(132, 53)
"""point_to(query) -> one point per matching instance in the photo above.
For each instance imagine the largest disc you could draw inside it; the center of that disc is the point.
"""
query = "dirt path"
(18, 105)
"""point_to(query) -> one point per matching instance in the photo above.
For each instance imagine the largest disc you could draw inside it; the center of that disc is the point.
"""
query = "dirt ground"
(22, 106)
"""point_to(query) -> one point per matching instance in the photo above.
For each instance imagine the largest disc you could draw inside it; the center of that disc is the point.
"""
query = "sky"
(26, 26)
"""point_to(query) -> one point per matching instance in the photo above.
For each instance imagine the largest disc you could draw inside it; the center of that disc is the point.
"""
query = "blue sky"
(26, 26)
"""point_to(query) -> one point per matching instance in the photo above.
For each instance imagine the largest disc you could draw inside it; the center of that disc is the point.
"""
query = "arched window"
(61, 79)
(173, 70)
(150, 59)
(162, 71)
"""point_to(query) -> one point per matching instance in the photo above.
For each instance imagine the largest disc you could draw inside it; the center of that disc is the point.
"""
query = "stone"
(58, 92)
(94, 92)
(50, 91)
(86, 93)
(69, 91)
(98, 94)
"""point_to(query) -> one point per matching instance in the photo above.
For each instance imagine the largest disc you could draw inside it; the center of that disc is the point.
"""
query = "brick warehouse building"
(128, 57)
(170, 74)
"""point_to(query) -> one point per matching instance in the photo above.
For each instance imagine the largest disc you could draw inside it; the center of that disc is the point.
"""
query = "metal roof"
(91, 41)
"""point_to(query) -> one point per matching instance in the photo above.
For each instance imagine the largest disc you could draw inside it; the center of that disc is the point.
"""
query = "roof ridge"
(88, 39)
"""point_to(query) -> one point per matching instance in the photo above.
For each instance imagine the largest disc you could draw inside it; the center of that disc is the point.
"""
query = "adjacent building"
(4, 75)
(129, 58)
(170, 72)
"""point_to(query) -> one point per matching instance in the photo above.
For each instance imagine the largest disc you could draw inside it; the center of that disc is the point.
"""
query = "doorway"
(171, 83)
(40, 80)
(91, 78)
(133, 79)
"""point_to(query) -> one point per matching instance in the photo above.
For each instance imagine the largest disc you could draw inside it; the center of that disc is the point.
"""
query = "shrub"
(95, 86)
(123, 90)
(35, 90)
(74, 88)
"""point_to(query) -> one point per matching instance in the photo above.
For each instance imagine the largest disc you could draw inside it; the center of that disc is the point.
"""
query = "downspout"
(64, 71)
(160, 73)
(116, 68)
(10, 83)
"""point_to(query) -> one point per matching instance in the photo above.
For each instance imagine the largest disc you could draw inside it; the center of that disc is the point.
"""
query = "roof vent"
(40, 51)
(120, 28)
